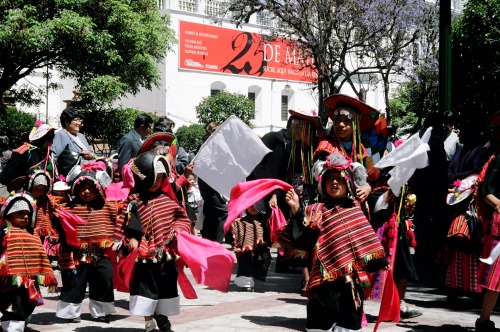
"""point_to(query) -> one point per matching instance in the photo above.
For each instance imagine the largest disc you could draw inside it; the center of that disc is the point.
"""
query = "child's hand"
(132, 244)
(293, 200)
(273, 202)
(363, 191)
(188, 170)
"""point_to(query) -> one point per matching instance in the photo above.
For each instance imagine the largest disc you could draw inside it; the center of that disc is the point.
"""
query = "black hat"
(145, 167)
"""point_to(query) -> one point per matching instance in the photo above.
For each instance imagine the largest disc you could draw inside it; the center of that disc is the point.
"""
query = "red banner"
(214, 49)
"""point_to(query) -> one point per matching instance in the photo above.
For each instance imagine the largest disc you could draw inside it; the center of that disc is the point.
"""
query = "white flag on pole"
(405, 159)
(229, 155)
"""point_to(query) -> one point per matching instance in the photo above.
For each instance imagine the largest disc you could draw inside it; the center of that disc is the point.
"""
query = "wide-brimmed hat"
(158, 137)
(367, 114)
(462, 190)
(40, 131)
(310, 116)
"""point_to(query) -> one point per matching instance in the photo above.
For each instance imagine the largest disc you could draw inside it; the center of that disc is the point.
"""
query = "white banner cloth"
(229, 155)
(406, 158)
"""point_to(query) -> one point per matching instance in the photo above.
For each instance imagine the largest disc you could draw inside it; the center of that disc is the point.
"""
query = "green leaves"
(98, 43)
(221, 106)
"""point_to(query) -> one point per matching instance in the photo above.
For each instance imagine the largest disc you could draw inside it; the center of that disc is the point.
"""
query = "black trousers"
(15, 304)
(332, 303)
(155, 280)
(98, 275)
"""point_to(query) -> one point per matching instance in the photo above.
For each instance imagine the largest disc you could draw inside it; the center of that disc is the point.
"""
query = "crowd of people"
(318, 197)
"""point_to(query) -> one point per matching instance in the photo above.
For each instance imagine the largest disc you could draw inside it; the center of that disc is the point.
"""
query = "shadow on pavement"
(296, 324)
(442, 328)
(100, 328)
(293, 300)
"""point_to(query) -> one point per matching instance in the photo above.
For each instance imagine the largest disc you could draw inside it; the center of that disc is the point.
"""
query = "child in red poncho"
(24, 266)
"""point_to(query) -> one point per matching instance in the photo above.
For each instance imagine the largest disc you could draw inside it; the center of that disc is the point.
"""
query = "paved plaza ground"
(275, 306)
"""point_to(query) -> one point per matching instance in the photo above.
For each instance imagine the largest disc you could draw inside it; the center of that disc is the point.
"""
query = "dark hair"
(210, 128)
(143, 119)
(163, 124)
(449, 118)
(69, 114)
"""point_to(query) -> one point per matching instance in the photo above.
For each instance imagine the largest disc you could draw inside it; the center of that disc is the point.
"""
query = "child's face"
(19, 218)
(39, 190)
(157, 184)
(342, 125)
(335, 185)
(87, 192)
(253, 211)
(191, 179)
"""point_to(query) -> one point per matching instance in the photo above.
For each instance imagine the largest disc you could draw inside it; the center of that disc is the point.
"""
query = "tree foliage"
(352, 41)
(109, 47)
(107, 126)
(224, 104)
(476, 60)
(190, 137)
(16, 125)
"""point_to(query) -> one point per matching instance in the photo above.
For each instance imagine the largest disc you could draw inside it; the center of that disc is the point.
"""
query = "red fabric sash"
(69, 223)
(210, 263)
(245, 194)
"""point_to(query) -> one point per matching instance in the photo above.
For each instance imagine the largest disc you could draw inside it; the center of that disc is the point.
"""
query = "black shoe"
(486, 326)
(163, 323)
(246, 289)
(410, 314)
(74, 320)
(104, 319)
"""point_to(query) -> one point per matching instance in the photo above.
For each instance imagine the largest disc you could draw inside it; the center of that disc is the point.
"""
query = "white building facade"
(212, 57)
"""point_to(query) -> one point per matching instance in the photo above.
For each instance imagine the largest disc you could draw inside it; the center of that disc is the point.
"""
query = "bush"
(224, 104)
(190, 137)
(16, 125)
(107, 126)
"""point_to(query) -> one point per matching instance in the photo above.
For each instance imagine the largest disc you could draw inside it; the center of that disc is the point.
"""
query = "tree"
(109, 47)
(339, 34)
(224, 104)
(476, 59)
(190, 137)
(418, 94)
(16, 125)
(107, 126)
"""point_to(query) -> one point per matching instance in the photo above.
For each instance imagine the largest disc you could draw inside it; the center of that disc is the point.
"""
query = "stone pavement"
(274, 306)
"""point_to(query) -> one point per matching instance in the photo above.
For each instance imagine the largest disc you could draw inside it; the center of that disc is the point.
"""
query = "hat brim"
(313, 119)
(452, 199)
(153, 138)
(368, 115)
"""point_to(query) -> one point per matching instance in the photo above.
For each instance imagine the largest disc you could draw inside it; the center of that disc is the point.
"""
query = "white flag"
(229, 155)
(406, 158)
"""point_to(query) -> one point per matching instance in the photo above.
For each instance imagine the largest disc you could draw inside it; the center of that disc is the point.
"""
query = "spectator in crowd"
(214, 205)
(130, 143)
(70, 147)
(431, 219)
(181, 158)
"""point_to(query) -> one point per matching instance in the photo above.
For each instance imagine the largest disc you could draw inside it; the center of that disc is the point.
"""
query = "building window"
(213, 92)
(215, 8)
(263, 18)
(284, 108)
(251, 96)
(188, 5)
